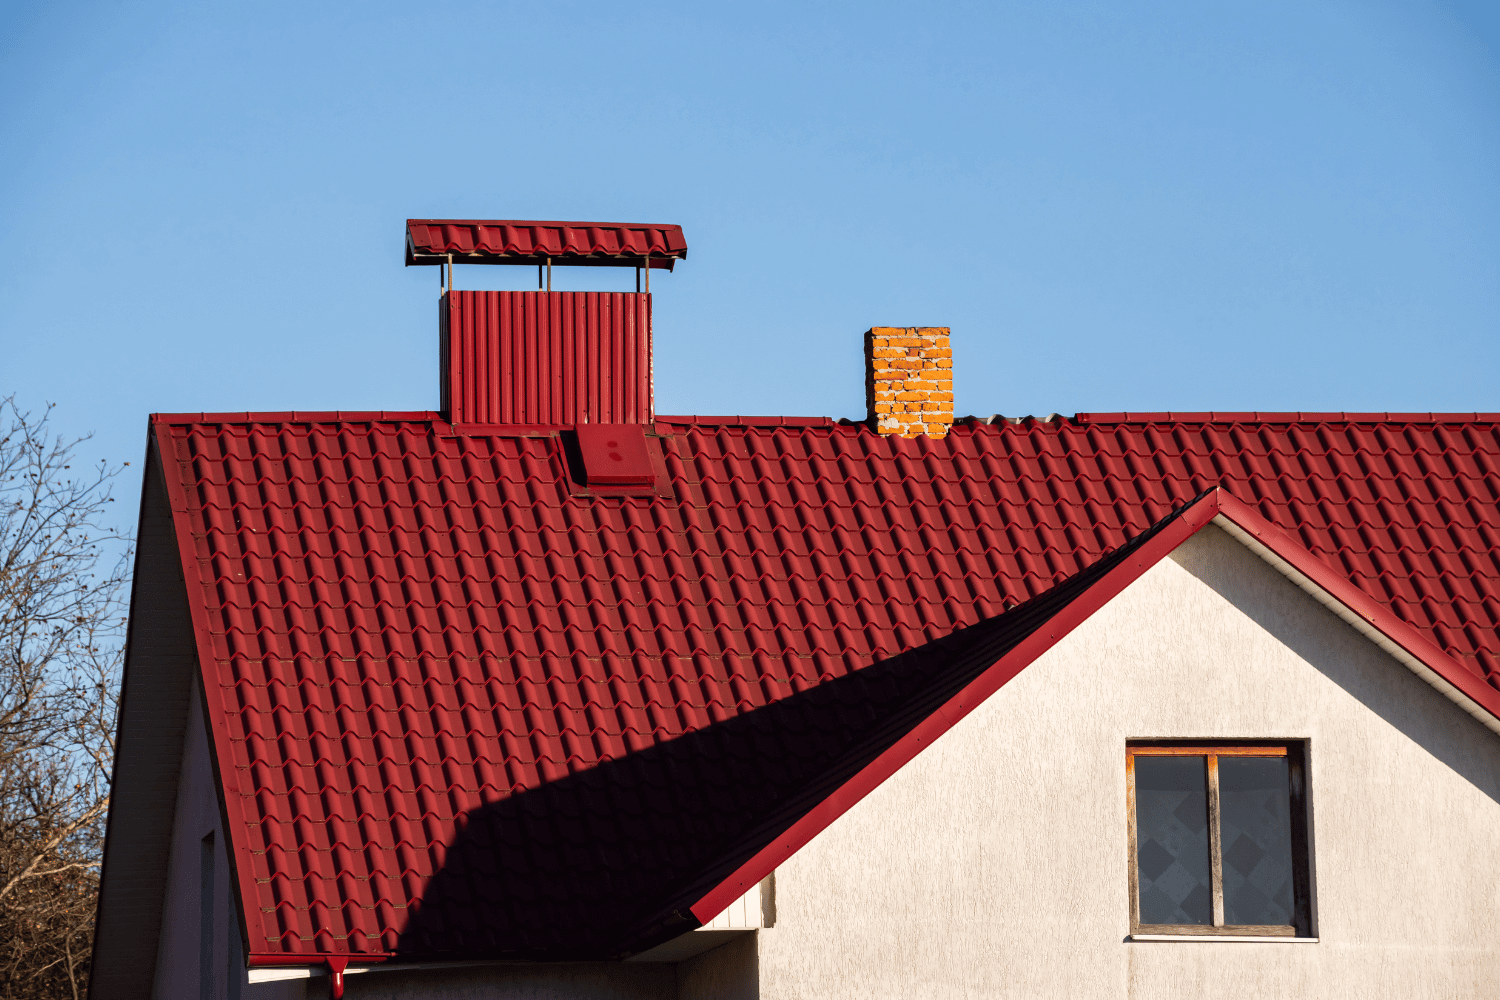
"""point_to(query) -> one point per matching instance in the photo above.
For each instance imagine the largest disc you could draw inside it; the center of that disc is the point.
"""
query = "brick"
(910, 379)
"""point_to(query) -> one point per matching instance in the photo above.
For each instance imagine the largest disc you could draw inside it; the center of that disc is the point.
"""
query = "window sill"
(1225, 938)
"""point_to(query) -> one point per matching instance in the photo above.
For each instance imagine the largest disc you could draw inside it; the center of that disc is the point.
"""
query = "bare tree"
(63, 576)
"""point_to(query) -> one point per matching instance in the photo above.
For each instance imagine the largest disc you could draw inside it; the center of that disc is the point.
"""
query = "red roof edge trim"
(1290, 417)
(1216, 505)
(262, 959)
(1367, 615)
(301, 417)
(241, 870)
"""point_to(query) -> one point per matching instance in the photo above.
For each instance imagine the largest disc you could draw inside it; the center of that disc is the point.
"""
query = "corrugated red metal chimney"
(545, 357)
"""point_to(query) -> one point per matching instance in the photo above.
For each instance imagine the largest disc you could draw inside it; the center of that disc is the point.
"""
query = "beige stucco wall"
(994, 865)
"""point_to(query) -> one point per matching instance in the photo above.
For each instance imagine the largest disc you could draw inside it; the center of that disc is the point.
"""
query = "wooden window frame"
(1295, 752)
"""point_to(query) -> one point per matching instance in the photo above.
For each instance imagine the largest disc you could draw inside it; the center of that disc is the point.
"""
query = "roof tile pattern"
(426, 657)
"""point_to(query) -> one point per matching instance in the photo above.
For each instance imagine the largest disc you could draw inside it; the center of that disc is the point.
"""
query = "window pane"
(1171, 839)
(1255, 806)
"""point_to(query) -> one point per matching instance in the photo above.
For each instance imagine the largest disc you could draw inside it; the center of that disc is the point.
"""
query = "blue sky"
(1135, 206)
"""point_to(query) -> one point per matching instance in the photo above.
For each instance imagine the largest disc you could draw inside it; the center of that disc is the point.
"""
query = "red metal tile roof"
(513, 241)
(461, 709)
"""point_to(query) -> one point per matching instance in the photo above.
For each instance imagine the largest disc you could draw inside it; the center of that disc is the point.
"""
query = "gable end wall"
(159, 667)
(995, 863)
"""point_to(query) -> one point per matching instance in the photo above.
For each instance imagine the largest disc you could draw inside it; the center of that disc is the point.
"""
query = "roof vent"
(545, 357)
(615, 455)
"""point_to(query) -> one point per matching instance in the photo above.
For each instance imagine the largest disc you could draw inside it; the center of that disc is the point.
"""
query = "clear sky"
(1115, 206)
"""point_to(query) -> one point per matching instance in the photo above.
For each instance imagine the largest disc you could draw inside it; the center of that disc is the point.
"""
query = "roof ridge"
(300, 417)
(1281, 417)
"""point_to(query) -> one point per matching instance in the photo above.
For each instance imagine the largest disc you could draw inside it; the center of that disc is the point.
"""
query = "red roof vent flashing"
(615, 455)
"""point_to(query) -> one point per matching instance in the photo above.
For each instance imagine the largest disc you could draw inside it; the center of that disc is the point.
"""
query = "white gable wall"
(177, 957)
(197, 815)
(995, 864)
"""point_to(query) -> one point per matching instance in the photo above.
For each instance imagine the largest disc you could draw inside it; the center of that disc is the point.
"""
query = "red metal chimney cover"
(513, 241)
(615, 455)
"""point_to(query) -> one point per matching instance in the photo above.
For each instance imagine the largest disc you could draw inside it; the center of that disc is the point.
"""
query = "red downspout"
(336, 967)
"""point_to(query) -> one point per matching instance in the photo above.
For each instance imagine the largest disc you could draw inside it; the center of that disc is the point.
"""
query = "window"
(1218, 839)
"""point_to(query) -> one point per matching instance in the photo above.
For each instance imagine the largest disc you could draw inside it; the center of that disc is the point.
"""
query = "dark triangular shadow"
(606, 862)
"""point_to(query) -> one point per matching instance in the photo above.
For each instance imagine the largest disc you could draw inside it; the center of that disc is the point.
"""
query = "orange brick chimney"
(909, 380)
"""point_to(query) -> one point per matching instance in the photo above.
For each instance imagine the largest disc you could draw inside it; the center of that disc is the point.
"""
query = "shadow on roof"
(606, 862)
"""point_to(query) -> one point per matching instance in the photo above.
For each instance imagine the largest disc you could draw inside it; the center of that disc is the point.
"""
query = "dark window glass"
(1256, 838)
(1171, 808)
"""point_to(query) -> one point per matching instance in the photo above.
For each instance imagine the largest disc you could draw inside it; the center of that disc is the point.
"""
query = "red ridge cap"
(1188, 522)
(300, 417)
(1288, 417)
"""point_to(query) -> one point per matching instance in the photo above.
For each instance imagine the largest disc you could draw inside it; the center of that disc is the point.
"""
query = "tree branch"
(62, 835)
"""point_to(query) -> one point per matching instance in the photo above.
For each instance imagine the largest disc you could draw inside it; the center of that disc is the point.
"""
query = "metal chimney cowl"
(548, 358)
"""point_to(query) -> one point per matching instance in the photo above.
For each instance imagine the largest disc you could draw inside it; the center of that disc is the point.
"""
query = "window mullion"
(1134, 863)
(1215, 841)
